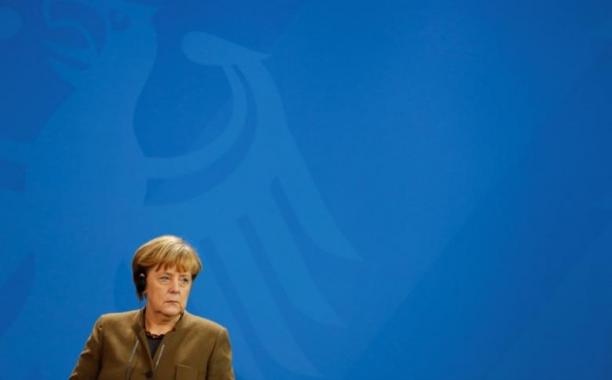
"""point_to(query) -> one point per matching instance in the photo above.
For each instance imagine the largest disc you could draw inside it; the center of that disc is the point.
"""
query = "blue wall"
(388, 189)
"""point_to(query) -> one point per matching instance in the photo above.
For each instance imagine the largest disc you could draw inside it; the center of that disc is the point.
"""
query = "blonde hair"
(163, 251)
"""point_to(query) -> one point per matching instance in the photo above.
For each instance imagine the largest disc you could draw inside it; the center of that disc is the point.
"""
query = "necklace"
(153, 336)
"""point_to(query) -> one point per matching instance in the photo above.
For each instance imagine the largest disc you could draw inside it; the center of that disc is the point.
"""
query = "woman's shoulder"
(121, 318)
(196, 322)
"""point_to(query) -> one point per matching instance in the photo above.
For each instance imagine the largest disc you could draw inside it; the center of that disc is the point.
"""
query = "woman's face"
(167, 291)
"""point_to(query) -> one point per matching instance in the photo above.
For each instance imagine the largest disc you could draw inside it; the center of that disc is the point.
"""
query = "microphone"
(149, 373)
(128, 370)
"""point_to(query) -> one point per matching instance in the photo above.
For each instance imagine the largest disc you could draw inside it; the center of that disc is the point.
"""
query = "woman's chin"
(172, 309)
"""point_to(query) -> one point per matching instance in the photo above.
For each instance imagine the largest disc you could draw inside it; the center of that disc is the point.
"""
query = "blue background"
(387, 189)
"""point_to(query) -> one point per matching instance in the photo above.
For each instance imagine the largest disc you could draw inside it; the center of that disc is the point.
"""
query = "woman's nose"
(175, 285)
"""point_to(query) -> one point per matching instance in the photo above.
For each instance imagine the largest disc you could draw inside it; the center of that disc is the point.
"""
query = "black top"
(154, 342)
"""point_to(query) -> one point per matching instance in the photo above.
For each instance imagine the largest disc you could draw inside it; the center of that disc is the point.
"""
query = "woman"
(162, 340)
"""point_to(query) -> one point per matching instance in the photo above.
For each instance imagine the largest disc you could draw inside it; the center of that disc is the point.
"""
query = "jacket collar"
(171, 339)
(138, 322)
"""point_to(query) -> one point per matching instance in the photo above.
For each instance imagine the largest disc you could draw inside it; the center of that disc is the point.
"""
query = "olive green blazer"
(117, 349)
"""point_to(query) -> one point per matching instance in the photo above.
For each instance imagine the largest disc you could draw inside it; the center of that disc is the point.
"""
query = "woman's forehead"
(169, 268)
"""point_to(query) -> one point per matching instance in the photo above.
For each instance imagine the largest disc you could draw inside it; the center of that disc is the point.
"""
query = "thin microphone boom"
(128, 370)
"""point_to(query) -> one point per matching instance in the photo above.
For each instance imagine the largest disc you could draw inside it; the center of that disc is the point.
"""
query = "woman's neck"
(159, 324)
